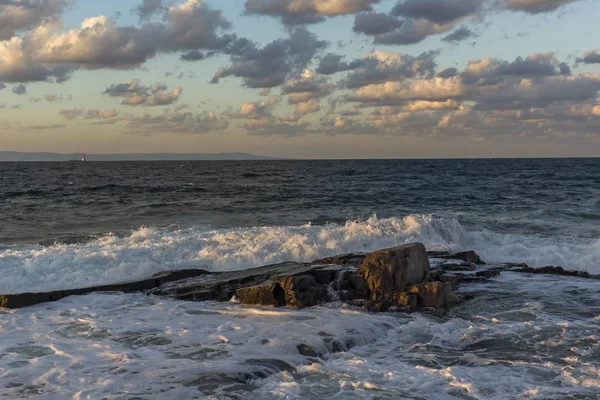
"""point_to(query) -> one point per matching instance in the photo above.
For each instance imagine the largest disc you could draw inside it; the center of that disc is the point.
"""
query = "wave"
(112, 258)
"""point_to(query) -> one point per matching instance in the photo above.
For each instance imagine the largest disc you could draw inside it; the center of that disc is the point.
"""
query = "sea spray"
(112, 258)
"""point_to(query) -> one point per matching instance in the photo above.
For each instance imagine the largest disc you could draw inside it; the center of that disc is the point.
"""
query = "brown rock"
(266, 294)
(435, 295)
(391, 271)
(301, 291)
(407, 301)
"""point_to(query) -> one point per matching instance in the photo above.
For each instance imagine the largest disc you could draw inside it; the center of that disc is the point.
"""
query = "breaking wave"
(112, 258)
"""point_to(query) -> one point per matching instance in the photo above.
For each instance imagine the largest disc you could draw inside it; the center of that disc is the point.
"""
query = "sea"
(67, 225)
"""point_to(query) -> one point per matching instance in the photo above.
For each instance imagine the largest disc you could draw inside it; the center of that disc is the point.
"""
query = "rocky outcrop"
(399, 278)
(391, 271)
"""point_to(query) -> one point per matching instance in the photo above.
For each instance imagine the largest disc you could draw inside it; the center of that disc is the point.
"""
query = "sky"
(302, 78)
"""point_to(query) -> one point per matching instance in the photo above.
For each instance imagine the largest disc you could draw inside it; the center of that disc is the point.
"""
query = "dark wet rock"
(287, 284)
(306, 350)
(212, 383)
(337, 347)
(464, 266)
(266, 294)
(474, 279)
(271, 365)
(302, 291)
(454, 279)
(552, 271)
(467, 256)
(489, 273)
(30, 299)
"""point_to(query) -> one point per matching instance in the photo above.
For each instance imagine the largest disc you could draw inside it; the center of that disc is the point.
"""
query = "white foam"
(121, 346)
(113, 259)
(107, 346)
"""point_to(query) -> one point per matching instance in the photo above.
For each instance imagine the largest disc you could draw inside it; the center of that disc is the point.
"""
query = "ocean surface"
(68, 225)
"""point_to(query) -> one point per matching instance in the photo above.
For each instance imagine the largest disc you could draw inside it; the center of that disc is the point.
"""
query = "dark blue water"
(41, 201)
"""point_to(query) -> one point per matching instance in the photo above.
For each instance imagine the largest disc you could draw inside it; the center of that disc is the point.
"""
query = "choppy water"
(66, 225)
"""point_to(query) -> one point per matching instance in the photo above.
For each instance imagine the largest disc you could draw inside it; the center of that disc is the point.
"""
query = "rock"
(337, 347)
(552, 271)
(301, 291)
(266, 294)
(407, 301)
(398, 278)
(306, 350)
(468, 256)
(391, 271)
(465, 266)
(30, 299)
(488, 273)
(352, 259)
(454, 279)
(435, 295)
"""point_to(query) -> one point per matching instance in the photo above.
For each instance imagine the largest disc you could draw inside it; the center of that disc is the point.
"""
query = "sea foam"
(113, 259)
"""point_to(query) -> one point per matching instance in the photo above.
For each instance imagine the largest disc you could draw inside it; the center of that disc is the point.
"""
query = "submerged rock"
(467, 256)
(551, 271)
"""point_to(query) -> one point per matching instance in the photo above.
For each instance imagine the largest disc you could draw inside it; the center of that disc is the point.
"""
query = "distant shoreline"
(12, 156)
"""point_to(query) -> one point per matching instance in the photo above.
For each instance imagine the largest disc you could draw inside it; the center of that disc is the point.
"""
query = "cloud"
(257, 110)
(447, 73)
(306, 86)
(148, 9)
(71, 114)
(375, 23)
(489, 95)
(436, 11)
(20, 89)
(459, 35)
(47, 54)
(536, 6)
(135, 94)
(98, 114)
(410, 32)
(381, 66)
(194, 25)
(43, 127)
(300, 12)
(16, 64)
(176, 122)
(276, 128)
(269, 66)
(332, 63)
(412, 21)
(20, 15)
(52, 98)
(590, 57)
(487, 71)
(305, 90)
(195, 55)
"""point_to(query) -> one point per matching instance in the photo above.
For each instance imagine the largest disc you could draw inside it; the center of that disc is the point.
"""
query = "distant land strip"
(8, 156)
